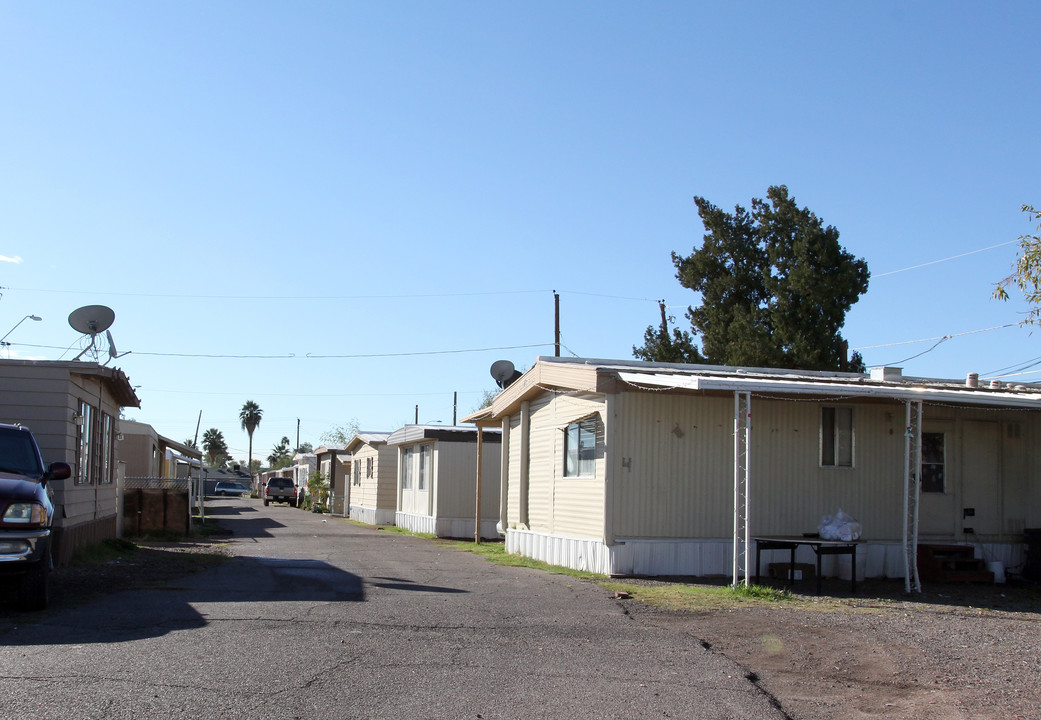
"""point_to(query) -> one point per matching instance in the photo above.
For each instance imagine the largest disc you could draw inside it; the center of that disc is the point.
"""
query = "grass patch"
(496, 552)
(693, 597)
(104, 552)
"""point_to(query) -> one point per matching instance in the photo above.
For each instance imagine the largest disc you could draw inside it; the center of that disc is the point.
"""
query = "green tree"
(216, 448)
(280, 457)
(340, 435)
(318, 489)
(659, 345)
(250, 416)
(775, 287)
(305, 448)
(1027, 273)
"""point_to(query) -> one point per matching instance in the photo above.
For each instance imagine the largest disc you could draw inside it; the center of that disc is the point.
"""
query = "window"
(357, 472)
(424, 467)
(84, 441)
(933, 461)
(415, 467)
(836, 437)
(406, 467)
(580, 449)
(368, 467)
(106, 449)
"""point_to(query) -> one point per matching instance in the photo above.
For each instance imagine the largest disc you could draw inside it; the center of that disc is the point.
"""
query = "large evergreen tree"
(775, 286)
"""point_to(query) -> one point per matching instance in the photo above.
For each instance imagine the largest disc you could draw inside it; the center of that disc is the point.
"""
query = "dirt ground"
(955, 651)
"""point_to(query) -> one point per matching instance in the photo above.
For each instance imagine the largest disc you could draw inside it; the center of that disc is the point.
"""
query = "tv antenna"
(91, 320)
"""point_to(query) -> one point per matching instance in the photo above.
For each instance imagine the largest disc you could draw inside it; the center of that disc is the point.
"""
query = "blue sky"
(250, 186)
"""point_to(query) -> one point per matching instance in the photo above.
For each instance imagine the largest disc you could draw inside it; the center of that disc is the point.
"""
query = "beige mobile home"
(335, 465)
(73, 410)
(374, 473)
(437, 480)
(626, 467)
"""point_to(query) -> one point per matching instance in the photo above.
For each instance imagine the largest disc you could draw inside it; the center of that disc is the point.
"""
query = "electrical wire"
(952, 257)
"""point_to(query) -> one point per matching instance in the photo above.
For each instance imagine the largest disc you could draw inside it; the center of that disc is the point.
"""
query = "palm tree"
(214, 445)
(250, 417)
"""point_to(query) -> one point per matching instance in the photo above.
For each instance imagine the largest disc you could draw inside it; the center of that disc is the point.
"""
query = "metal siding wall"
(673, 466)
(513, 489)
(456, 484)
(540, 465)
(790, 491)
(386, 472)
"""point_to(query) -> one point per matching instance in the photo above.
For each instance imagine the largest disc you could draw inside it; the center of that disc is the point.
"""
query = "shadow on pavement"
(139, 614)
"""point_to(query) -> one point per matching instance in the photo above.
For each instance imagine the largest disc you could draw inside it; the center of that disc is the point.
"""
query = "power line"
(952, 257)
(293, 356)
(941, 338)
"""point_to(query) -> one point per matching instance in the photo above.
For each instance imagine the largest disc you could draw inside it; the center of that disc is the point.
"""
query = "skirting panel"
(461, 528)
(372, 516)
(712, 557)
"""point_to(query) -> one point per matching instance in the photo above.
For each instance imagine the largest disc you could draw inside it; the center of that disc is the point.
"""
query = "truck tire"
(32, 593)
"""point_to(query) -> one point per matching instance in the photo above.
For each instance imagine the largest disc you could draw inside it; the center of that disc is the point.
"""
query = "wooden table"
(819, 546)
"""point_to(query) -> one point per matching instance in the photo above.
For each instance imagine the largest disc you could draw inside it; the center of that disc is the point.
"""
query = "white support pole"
(912, 466)
(742, 464)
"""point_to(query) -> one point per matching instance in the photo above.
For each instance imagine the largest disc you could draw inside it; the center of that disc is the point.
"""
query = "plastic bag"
(839, 527)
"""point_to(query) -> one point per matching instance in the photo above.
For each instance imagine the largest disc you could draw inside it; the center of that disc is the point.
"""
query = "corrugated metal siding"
(672, 466)
(513, 490)
(572, 506)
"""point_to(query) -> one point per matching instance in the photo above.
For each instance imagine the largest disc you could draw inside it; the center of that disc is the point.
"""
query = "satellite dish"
(504, 373)
(92, 319)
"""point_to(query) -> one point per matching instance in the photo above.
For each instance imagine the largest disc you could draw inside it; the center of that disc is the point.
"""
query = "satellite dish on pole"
(504, 373)
(91, 320)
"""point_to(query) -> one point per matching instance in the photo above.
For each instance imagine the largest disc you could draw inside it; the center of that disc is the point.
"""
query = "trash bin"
(1032, 571)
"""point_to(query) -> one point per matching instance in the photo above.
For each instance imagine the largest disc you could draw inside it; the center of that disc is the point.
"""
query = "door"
(981, 479)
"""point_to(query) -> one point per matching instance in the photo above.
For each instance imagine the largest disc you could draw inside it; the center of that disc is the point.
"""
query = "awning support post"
(742, 466)
(912, 464)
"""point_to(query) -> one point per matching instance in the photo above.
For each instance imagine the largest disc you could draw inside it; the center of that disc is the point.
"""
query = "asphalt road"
(317, 618)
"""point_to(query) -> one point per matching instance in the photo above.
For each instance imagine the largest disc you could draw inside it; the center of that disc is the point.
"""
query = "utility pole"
(556, 324)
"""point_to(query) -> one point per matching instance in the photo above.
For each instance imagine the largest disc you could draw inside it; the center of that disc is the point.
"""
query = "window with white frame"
(406, 467)
(107, 431)
(357, 472)
(423, 456)
(836, 436)
(84, 442)
(933, 463)
(580, 448)
(368, 467)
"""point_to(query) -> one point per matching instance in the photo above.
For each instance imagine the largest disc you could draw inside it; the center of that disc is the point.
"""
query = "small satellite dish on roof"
(91, 320)
(112, 352)
(504, 373)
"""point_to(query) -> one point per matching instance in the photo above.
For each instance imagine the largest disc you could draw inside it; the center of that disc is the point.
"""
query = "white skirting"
(372, 516)
(445, 527)
(713, 557)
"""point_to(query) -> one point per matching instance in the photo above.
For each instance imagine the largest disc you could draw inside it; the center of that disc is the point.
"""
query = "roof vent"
(887, 374)
(972, 380)
(995, 385)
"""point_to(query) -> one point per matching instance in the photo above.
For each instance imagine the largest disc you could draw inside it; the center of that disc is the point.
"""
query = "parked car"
(26, 513)
(280, 490)
(230, 488)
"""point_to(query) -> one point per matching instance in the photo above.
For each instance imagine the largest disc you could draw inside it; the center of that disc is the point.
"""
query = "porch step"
(951, 563)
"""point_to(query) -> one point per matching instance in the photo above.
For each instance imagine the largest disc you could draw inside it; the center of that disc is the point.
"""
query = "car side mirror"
(58, 471)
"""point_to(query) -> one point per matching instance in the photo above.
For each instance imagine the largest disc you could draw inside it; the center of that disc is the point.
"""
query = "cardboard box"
(803, 571)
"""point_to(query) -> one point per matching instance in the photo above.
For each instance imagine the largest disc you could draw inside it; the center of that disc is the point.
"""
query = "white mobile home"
(627, 467)
(437, 480)
(372, 495)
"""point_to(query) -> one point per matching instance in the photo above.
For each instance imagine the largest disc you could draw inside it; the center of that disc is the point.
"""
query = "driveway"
(315, 617)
